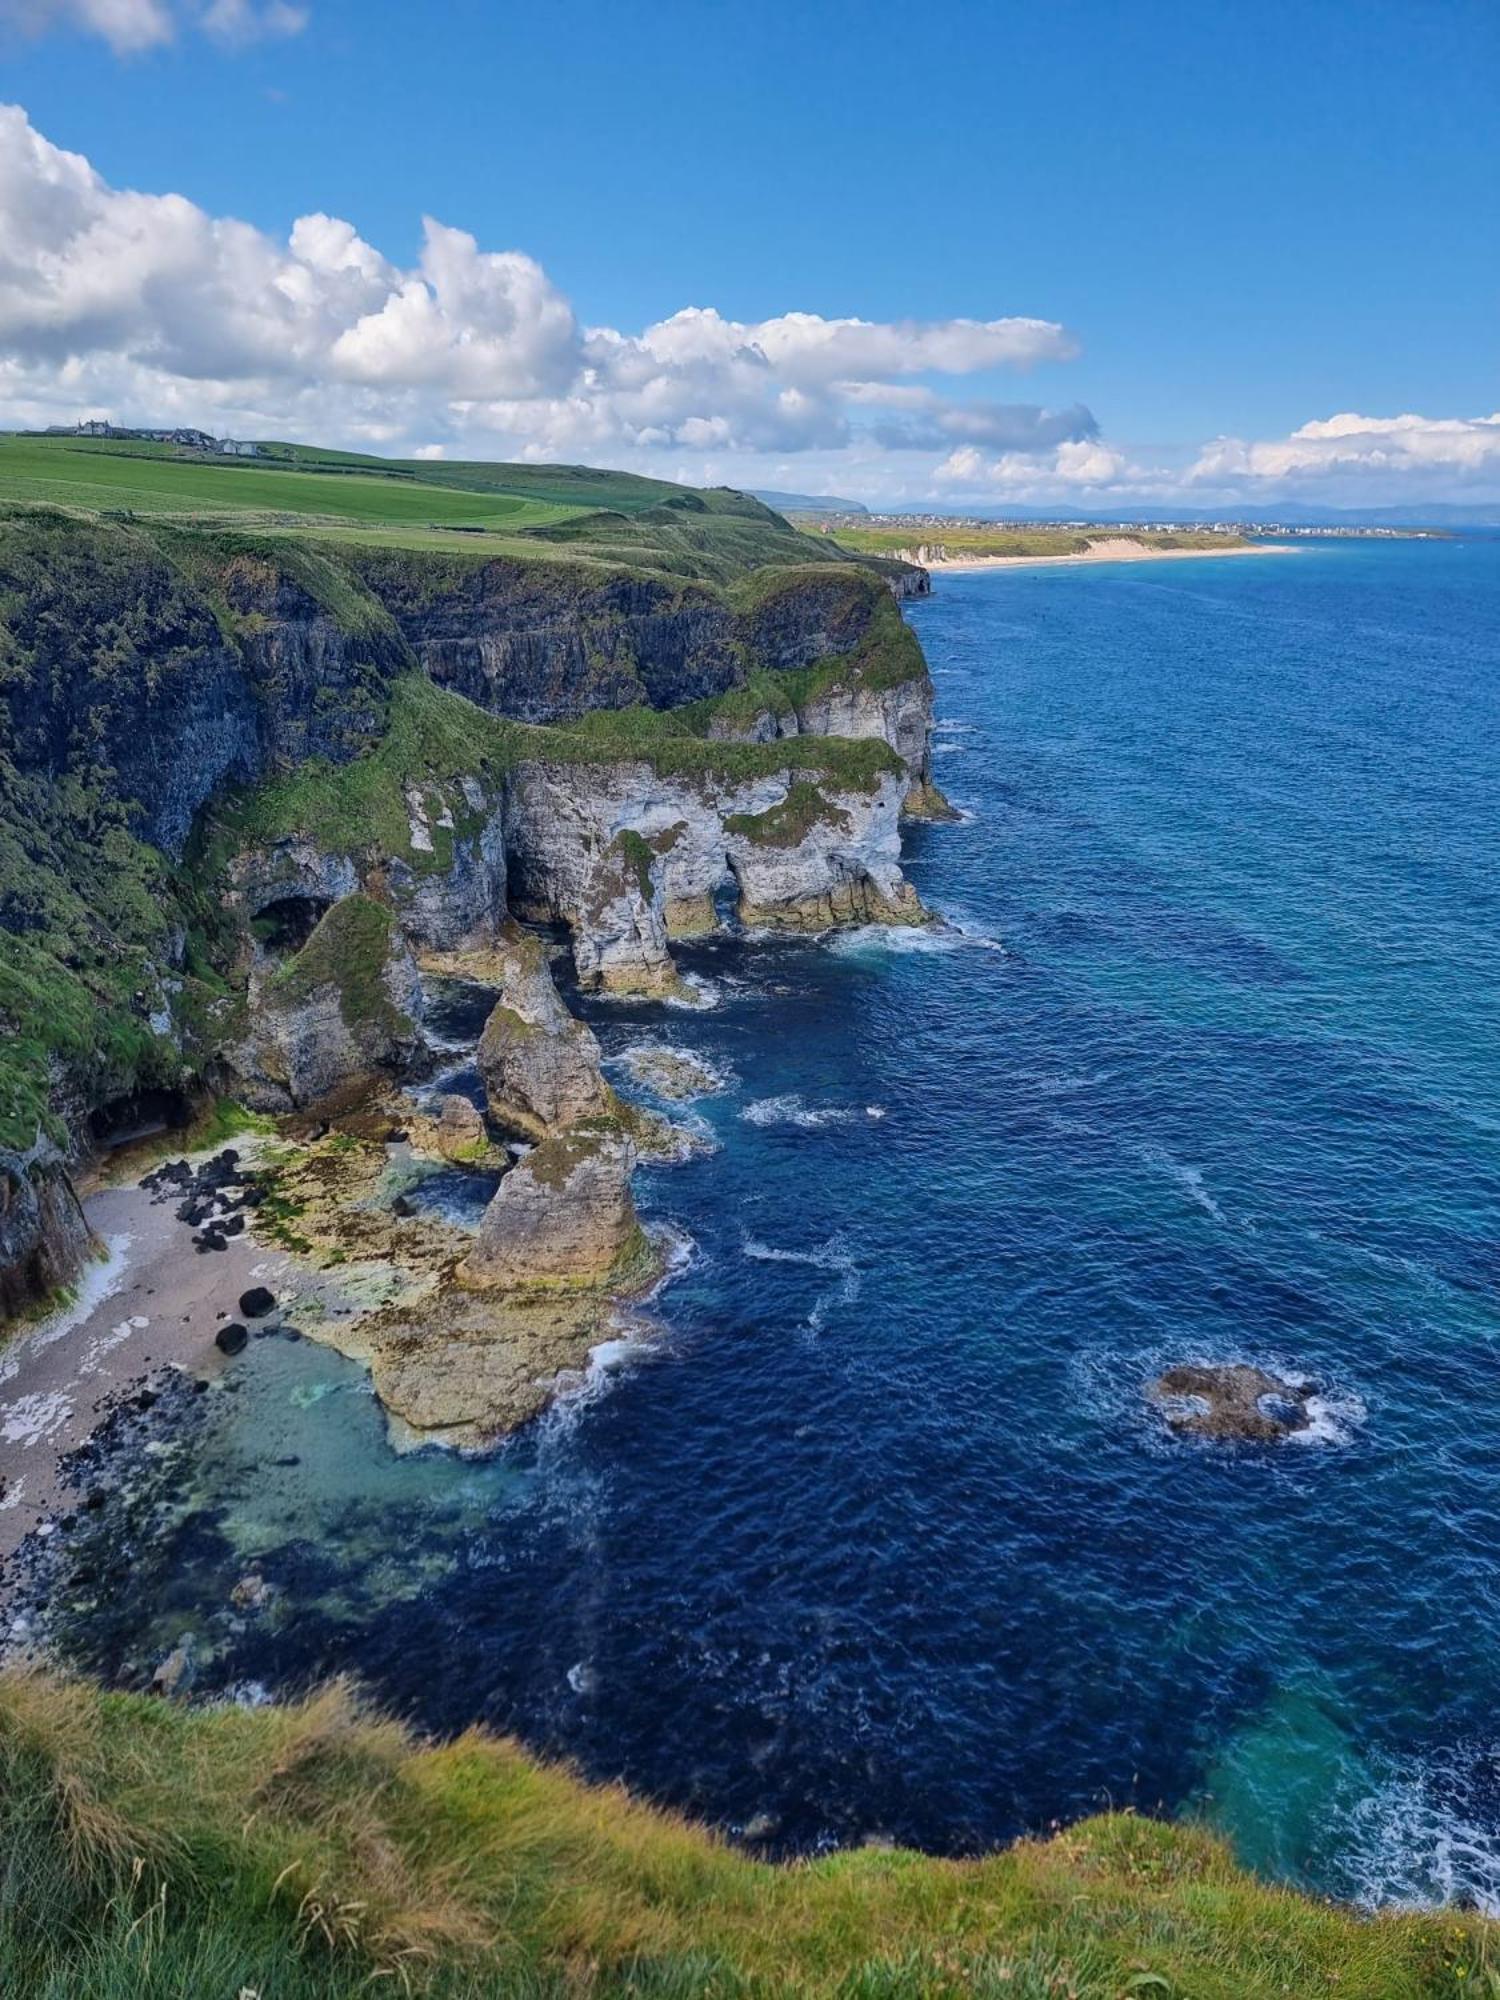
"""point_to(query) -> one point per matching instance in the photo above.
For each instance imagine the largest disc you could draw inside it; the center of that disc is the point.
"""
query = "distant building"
(184, 436)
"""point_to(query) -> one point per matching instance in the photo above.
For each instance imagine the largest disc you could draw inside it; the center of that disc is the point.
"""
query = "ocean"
(872, 1531)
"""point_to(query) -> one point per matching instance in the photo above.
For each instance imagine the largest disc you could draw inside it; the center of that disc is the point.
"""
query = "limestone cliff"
(245, 778)
(341, 1011)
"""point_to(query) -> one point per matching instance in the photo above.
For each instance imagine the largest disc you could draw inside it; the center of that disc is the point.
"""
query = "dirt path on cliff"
(155, 1302)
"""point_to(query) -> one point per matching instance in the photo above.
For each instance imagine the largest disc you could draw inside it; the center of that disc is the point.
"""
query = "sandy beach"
(1116, 548)
(153, 1303)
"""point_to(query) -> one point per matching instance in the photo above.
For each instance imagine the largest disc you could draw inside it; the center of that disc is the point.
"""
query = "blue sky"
(1240, 222)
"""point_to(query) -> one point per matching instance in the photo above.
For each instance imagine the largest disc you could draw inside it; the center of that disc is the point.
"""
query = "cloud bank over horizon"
(147, 309)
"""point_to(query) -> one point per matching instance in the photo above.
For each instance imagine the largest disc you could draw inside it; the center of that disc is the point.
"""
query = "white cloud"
(1073, 467)
(1402, 451)
(133, 26)
(145, 307)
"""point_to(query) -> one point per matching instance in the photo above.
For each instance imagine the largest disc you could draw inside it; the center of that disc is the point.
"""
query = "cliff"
(219, 748)
(319, 1850)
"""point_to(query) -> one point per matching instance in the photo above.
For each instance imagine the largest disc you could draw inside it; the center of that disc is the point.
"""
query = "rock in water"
(564, 1215)
(1232, 1401)
(540, 1065)
(232, 1339)
(257, 1302)
(461, 1133)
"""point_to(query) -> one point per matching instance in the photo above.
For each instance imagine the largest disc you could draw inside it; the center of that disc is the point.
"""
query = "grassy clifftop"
(535, 512)
(309, 1853)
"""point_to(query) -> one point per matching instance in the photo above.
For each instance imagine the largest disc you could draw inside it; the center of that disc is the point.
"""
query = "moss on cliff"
(788, 823)
(349, 951)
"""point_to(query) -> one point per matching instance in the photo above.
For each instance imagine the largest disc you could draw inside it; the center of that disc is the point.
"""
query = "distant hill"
(808, 503)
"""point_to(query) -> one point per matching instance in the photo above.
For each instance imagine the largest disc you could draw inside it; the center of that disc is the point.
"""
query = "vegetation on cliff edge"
(150, 1851)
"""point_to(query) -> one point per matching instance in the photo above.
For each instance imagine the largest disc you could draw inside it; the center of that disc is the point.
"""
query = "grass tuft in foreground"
(313, 1851)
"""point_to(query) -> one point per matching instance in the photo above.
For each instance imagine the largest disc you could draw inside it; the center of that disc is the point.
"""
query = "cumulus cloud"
(1406, 450)
(145, 307)
(1073, 466)
(133, 26)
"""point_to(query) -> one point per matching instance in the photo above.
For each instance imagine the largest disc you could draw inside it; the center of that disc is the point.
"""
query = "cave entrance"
(728, 896)
(283, 927)
(139, 1115)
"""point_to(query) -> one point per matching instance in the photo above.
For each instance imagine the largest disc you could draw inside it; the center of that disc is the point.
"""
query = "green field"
(714, 534)
(102, 475)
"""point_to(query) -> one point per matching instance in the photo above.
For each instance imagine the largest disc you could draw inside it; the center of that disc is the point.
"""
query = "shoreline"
(1119, 551)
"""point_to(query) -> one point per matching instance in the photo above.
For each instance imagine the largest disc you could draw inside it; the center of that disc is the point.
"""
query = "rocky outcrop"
(563, 1217)
(44, 1239)
(628, 856)
(1230, 1401)
(540, 1065)
(343, 1010)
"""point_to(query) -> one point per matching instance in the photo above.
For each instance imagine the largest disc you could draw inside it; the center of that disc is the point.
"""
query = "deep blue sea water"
(877, 1534)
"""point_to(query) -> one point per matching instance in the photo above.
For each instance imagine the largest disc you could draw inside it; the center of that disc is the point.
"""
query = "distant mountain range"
(809, 503)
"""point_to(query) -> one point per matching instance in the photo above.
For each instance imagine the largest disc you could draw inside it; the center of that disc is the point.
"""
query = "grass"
(99, 474)
(312, 1852)
(539, 513)
(349, 951)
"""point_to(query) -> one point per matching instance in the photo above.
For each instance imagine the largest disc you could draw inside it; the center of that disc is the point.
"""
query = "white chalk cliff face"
(629, 858)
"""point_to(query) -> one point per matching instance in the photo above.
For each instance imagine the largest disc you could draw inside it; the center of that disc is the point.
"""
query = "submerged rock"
(1233, 1400)
(675, 1074)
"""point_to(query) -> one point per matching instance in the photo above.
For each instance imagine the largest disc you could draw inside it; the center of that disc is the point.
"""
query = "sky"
(999, 254)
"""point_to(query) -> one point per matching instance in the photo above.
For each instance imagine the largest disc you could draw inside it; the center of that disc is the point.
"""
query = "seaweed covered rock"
(342, 1010)
(563, 1216)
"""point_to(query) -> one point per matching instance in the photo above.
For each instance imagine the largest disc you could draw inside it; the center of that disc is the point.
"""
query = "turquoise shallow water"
(876, 1533)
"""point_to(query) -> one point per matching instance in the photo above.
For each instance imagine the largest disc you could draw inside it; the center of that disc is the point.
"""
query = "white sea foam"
(99, 1282)
(950, 749)
(834, 1256)
(957, 934)
(947, 728)
(1411, 1845)
(790, 1110)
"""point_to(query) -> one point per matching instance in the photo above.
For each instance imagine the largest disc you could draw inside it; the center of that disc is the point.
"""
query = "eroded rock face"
(822, 857)
(44, 1239)
(628, 857)
(540, 1066)
(1232, 1401)
(563, 1216)
(343, 1009)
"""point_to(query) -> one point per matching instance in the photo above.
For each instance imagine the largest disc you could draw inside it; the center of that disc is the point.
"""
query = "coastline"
(1114, 551)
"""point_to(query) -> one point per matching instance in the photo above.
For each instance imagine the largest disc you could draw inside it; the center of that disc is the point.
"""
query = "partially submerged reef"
(259, 791)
